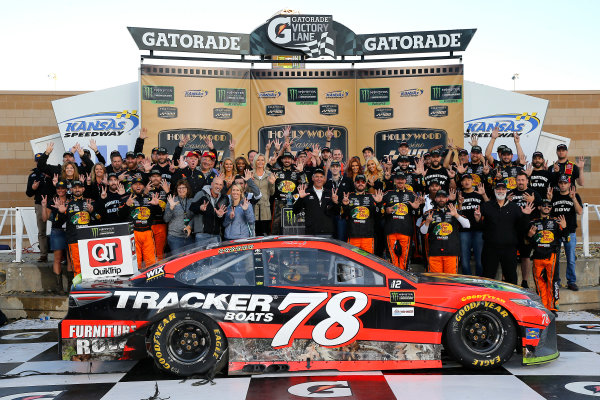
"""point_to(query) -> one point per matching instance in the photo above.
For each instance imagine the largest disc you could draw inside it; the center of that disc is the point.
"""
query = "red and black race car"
(301, 303)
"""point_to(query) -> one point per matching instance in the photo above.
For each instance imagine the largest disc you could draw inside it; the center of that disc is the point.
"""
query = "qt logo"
(105, 252)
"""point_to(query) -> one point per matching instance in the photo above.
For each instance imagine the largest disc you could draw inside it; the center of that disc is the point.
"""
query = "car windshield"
(228, 269)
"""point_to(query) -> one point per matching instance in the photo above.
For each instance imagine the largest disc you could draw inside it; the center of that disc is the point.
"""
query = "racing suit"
(77, 217)
(361, 213)
(546, 243)
(443, 240)
(399, 225)
(141, 214)
(159, 227)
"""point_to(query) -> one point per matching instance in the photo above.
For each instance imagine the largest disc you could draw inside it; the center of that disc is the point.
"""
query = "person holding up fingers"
(360, 208)
(442, 227)
(320, 205)
(545, 235)
(179, 217)
(58, 242)
(239, 218)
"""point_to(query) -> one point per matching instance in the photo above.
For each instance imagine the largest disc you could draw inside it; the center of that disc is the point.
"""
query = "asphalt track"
(30, 345)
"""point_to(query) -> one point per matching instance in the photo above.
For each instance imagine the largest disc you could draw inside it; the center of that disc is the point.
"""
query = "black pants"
(506, 256)
(263, 227)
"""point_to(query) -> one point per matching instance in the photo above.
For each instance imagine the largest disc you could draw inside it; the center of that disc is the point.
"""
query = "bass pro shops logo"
(105, 252)
(311, 34)
(110, 123)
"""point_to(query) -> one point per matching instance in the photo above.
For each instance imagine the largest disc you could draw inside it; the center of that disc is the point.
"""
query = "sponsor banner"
(329, 109)
(106, 251)
(210, 103)
(75, 329)
(303, 96)
(447, 93)
(108, 116)
(410, 113)
(313, 35)
(416, 42)
(274, 110)
(487, 107)
(305, 135)
(403, 298)
(403, 311)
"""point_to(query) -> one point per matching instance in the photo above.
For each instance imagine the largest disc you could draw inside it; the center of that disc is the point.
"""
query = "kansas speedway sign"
(306, 35)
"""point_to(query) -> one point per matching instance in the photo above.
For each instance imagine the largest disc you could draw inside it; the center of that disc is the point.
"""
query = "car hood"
(473, 281)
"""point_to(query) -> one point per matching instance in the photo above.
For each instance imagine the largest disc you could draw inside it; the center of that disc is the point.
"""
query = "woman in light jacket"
(239, 216)
(178, 217)
(265, 180)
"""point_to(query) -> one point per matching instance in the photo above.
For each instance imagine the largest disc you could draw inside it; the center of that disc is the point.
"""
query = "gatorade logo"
(105, 252)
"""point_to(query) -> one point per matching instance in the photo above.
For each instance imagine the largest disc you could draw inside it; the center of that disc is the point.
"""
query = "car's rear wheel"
(188, 343)
(481, 335)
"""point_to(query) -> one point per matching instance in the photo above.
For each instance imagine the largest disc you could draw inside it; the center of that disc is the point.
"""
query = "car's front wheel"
(481, 335)
(188, 343)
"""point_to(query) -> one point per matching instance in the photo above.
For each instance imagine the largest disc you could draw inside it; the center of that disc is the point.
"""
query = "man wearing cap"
(163, 164)
(39, 184)
(319, 204)
(51, 170)
(568, 203)
(503, 149)
(403, 150)
(399, 225)
(442, 226)
(565, 167)
(342, 184)
(159, 186)
(191, 173)
(79, 212)
(207, 163)
(139, 209)
(502, 221)
(414, 179)
(438, 172)
(111, 198)
(471, 238)
(544, 235)
(287, 180)
(367, 153)
(477, 167)
(131, 172)
(540, 178)
(360, 209)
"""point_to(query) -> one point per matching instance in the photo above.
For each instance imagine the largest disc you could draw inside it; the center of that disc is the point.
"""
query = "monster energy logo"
(447, 94)
(158, 94)
(231, 97)
(303, 96)
(375, 96)
(95, 232)
(289, 216)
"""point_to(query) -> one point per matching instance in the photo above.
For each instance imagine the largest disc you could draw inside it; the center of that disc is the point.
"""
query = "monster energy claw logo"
(293, 93)
(95, 232)
(364, 95)
(289, 215)
(220, 95)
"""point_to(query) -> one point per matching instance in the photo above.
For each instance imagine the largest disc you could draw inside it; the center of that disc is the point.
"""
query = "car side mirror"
(347, 273)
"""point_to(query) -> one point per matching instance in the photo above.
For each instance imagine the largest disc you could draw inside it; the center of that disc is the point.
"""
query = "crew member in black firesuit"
(361, 208)
(442, 227)
(399, 224)
(159, 185)
(319, 204)
(111, 198)
(140, 209)
(544, 236)
(287, 180)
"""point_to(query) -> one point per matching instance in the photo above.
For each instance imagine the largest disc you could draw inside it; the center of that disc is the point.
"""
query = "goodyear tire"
(188, 343)
(481, 335)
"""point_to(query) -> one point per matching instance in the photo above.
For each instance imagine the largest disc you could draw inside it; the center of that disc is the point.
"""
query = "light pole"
(53, 76)
(514, 78)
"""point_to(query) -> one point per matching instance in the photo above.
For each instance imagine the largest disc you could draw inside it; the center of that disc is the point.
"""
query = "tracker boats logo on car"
(508, 124)
(109, 123)
(311, 34)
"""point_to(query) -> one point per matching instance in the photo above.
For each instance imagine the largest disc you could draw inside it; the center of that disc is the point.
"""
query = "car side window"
(350, 273)
(229, 269)
(297, 267)
(314, 267)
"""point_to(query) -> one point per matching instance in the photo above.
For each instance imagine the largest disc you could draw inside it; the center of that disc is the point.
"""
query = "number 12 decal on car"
(337, 316)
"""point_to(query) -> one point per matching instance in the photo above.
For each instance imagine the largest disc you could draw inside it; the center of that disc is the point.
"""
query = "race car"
(294, 303)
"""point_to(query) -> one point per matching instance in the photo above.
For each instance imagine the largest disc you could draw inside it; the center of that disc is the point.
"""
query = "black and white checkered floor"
(30, 345)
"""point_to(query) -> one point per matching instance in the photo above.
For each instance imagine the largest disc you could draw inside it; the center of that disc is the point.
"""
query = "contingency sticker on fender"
(404, 298)
(403, 311)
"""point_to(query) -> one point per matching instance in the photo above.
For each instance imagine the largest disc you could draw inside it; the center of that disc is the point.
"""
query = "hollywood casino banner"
(311, 101)
(422, 106)
(204, 103)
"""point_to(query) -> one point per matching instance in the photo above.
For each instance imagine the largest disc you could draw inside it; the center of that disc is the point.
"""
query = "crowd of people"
(447, 208)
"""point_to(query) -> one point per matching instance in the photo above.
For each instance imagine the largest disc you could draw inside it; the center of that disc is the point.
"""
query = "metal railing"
(14, 216)
(585, 225)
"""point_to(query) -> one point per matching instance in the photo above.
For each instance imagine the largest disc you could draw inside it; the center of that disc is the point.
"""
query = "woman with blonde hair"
(227, 172)
(265, 180)
(374, 175)
(239, 217)
(98, 181)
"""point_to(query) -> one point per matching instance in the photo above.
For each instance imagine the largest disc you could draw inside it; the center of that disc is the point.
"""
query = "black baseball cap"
(337, 163)
(476, 149)
(561, 146)
(37, 156)
(300, 153)
(155, 172)
(546, 202)
(463, 151)
(137, 179)
(564, 178)
(140, 154)
(68, 153)
(500, 148)
(113, 175)
(403, 143)
(318, 170)
(130, 154)
(77, 183)
(86, 151)
(235, 178)
(287, 154)
(369, 148)
(441, 193)
(61, 184)
(324, 149)
(501, 184)
(399, 175)
(161, 150)
(435, 153)
(155, 149)
(434, 182)
(506, 150)
(403, 158)
(463, 176)
(308, 149)
(537, 154)
(360, 177)
(426, 154)
(115, 153)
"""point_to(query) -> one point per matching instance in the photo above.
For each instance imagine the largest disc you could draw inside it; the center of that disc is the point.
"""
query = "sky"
(552, 45)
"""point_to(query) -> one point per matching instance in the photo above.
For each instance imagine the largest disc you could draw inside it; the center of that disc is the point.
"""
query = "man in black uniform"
(502, 221)
(342, 184)
(508, 170)
(403, 149)
(111, 199)
(565, 167)
(438, 172)
(414, 179)
(159, 186)
(471, 238)
(545, 235)
(360, 209)
(287, 180)
(540, 178)
(163, 165)
(39, 184)
(319, 204)
(568, 203)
